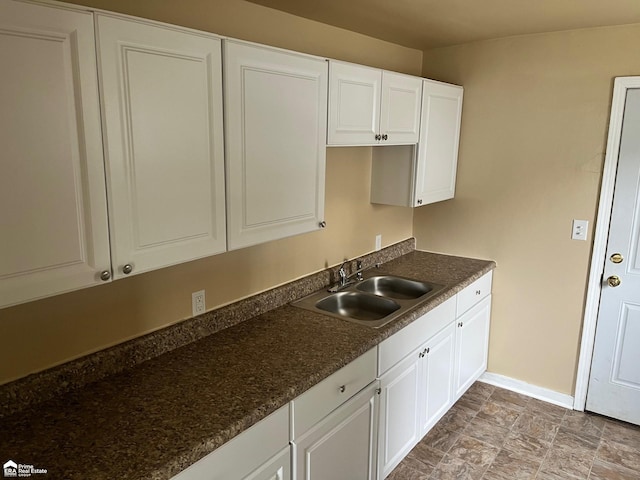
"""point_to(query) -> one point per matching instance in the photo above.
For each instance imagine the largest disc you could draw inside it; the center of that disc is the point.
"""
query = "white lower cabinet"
(342, 446)
(472, 345)
(260, 453)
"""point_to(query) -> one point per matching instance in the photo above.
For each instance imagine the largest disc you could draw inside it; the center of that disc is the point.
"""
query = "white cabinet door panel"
(354, 104)
(53, 214)
(162, 96)
(472, 344)
(343, 445)
(399, 410)
(438, 147)
(437, 377)
(275, 125)
(400, 108)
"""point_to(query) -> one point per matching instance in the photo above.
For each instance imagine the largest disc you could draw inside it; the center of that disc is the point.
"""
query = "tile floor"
(496, 434)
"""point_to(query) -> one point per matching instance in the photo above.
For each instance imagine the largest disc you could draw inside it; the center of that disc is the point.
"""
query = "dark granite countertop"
(157, 418)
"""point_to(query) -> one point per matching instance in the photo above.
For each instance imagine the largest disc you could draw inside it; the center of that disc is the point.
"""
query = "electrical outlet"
(378, 242)
(197, 303)
(579, 229)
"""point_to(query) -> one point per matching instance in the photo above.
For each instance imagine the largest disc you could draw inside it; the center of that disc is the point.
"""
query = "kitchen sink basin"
(374, 301)
(357, 305)
(394, 287)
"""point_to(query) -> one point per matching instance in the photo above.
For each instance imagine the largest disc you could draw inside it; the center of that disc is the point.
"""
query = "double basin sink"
(374, 301)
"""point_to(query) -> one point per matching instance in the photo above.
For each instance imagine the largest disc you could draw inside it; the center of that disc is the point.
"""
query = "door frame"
(601, 237)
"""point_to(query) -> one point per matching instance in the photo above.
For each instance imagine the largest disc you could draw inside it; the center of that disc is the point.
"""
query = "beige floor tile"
(571, 441)
(547, 410)
(606, 471)
(486, 431)
(622, 433)
(471, 402)
(619, 454)
(535, 426)
(452, 468)
(456, 418)
(473, 451)
(510, 399)
(512, 466)
(483, 389)
(427, 454)
(523, 444)
(587, 423)
(498, 414)
(405, 472)
(571, 464)
(440, 438)
(415, 462)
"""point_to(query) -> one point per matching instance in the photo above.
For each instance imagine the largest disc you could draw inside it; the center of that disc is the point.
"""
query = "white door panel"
(400, 108)
(162, 96)
(614, 384)
(53, 214)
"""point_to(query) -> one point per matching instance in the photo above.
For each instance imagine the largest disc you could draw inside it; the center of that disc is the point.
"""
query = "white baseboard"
(518, 386)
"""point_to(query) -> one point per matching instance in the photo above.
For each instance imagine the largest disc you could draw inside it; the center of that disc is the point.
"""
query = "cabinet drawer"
(399, 345)
(475, 292)
(262, 446)
(320, 400)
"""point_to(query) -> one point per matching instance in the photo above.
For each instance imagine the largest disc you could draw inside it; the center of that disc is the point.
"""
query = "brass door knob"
(614, 281)
(616, 258)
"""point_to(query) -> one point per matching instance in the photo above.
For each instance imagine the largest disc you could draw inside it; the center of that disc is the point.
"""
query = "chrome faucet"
(344, 279)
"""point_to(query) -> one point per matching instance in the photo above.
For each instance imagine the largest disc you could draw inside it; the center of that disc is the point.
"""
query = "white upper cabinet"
(411, 176)
(275, 128)
(437, 158)
(162, 104)
(368, 106)
(53, 213)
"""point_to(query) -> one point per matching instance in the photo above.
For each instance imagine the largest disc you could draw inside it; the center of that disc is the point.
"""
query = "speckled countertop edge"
(155, 419)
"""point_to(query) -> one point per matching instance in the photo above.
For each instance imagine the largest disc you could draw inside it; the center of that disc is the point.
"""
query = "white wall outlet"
(579, 229)
(378, 242)
(197, 302)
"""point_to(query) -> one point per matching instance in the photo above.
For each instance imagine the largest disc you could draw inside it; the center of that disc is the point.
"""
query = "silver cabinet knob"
(127, 269)
(105, 275)
(385, 137)
(322, 224)
(378, 137)
(342, 388)
(478, 292)
(419, 201)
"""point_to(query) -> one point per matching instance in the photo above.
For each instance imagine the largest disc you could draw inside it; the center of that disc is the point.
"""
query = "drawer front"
(475, 292)
(265, 440)
(400, 344)
(320, 400)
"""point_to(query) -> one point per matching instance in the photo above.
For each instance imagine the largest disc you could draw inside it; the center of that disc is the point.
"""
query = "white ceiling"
(425, 24)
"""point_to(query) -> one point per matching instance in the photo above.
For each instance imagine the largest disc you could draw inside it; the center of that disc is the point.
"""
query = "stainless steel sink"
(357, 305)
(374, 301)
(394, 287)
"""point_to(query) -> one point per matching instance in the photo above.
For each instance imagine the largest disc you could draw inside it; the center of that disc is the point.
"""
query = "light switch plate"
(579, 229)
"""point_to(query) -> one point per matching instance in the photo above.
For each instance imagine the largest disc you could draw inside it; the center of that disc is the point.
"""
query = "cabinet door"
(400, 108)
(472, 343)
(437, 158)
(53, 211)
(399, 411)
(437, 378)
(343, 445)
(162, 98)
(275, 126)
(354, 104)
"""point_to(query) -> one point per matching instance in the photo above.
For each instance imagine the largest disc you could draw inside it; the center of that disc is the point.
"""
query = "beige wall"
(534, 127)
(54, 330)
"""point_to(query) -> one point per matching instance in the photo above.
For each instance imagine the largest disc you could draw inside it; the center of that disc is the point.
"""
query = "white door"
(437, 156)
(342, 446)
(275, 127)
(399, 412)
(400, 109)
(472, 345)
(614, 383)
(437, 378)
(162, 98)
(354, 104)
(53, 210)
